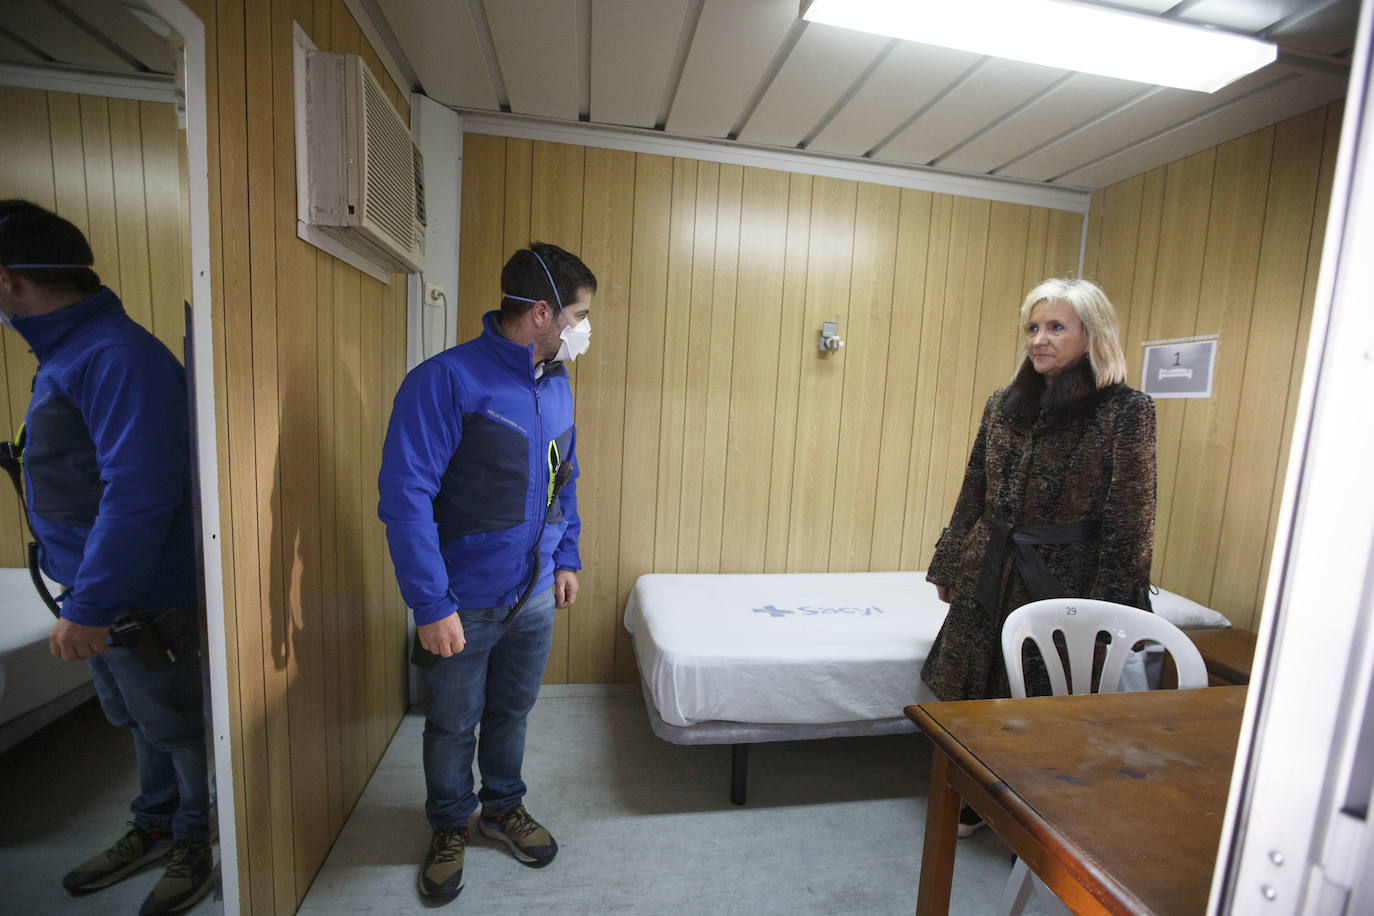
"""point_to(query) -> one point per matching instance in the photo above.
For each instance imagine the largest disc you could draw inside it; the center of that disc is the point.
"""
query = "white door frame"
(192, 34)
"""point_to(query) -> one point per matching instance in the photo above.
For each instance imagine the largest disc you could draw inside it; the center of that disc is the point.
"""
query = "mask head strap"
(556, 297)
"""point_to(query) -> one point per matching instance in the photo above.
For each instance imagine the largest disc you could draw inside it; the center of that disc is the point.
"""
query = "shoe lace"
(183, 861)
(126, 848)
(519, 822)
(448, 844)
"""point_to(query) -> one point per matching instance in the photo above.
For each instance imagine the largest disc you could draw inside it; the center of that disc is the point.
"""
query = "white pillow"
(1183, 613)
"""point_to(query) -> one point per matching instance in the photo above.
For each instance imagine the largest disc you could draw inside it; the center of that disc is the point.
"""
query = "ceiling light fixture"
(1063, 34)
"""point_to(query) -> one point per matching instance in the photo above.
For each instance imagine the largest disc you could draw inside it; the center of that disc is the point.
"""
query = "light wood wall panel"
(309, 353)
(110, 166)
(754, 372)
(1314, 255)
(713, 435)
(1225, 242)
(609, 221)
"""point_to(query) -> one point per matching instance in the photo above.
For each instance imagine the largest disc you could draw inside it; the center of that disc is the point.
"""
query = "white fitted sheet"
(807, 648)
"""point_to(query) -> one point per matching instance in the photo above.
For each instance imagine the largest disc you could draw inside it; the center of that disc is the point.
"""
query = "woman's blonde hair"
(1098, 317)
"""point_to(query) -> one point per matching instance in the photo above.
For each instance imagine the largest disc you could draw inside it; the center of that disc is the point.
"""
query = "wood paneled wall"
(713, 435)
(1228, 242)
(309, 353)
(112, 167)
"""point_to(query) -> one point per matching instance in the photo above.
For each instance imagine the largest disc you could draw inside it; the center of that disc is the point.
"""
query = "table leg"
(942, 827)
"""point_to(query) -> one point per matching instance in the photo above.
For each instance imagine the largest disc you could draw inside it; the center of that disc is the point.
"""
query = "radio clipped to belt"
(134, 630)
(560, 472)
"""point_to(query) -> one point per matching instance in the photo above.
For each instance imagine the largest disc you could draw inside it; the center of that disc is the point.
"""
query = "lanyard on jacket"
(12, 460)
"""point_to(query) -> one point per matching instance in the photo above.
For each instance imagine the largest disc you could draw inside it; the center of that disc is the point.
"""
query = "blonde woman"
(1059, 495)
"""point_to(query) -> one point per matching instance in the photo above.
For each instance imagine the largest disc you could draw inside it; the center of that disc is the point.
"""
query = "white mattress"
(805, 648)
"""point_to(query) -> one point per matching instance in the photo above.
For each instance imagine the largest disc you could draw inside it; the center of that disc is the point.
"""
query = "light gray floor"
(64, 796)
(645, 826)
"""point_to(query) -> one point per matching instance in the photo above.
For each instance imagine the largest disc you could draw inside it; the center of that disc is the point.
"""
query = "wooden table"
(1115, 800)
(1227, 652)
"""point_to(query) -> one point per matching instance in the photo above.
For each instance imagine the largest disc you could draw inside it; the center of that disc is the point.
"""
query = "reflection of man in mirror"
(106, 486)
(478, 495)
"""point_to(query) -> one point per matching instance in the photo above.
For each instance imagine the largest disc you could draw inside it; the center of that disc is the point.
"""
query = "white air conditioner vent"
(365, 185)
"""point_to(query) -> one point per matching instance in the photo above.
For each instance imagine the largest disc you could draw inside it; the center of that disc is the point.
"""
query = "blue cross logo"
(772, 611)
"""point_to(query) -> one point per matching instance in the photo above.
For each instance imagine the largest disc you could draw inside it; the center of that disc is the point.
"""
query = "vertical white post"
(192, 33)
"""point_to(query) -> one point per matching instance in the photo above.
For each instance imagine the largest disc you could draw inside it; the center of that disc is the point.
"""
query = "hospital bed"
(743, 659)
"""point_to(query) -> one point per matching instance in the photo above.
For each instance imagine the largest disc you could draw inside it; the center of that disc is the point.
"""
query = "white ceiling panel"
(58, 37)
(734, 43)
(118, 25)
(1152, 115)
(902, 84)
(821, 68)
(537, 48)
(1146, 6)
(995, 90)
(452, 70)
(11, 51)
(1063, 109)
(1242, 15)
(1283, 101)
(633, 44)
(1330, 30)
(756, 67)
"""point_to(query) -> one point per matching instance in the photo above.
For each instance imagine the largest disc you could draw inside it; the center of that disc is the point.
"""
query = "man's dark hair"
(31, 235)
(524, 275)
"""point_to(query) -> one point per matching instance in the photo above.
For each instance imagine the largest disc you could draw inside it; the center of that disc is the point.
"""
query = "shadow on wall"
(315, 603)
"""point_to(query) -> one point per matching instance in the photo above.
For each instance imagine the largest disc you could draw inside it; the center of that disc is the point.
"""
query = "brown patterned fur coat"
(1061, 454)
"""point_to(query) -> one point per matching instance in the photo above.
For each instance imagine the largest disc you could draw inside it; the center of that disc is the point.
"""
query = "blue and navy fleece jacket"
(106, 462)
(465, 477)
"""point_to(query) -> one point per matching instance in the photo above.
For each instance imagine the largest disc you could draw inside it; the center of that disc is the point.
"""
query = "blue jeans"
(163, 709)
(493, 682)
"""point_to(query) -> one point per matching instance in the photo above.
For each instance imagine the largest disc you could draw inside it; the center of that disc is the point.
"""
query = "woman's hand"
(944, 593)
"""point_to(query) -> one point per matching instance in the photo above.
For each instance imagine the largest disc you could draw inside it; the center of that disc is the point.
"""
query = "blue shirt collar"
(46, 332)
(519, 358)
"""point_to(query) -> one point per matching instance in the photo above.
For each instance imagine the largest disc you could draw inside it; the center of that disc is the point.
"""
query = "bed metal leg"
(739, 772)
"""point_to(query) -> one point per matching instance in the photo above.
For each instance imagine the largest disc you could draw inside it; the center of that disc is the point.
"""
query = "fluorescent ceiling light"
(1063, 34)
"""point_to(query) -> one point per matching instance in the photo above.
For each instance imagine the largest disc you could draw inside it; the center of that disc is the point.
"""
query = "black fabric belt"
(1040, 582)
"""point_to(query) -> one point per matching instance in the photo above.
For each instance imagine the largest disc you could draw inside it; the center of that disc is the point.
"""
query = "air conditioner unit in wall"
(366, 185)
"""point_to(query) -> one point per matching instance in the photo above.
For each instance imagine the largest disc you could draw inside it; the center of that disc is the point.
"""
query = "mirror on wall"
(93, 128)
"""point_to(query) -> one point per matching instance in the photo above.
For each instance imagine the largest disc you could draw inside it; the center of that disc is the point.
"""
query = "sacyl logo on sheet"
(808, 611)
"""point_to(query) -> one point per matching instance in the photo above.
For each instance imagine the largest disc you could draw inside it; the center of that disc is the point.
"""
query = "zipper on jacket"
(539, 426)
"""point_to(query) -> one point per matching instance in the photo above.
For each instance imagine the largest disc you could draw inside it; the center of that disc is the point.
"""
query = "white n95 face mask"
(576, 340)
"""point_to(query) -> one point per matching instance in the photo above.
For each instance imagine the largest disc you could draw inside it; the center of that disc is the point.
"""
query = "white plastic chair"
(1079, 621)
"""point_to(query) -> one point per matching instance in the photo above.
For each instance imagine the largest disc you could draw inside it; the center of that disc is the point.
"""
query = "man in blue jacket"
(105, 448)
(478, 495)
